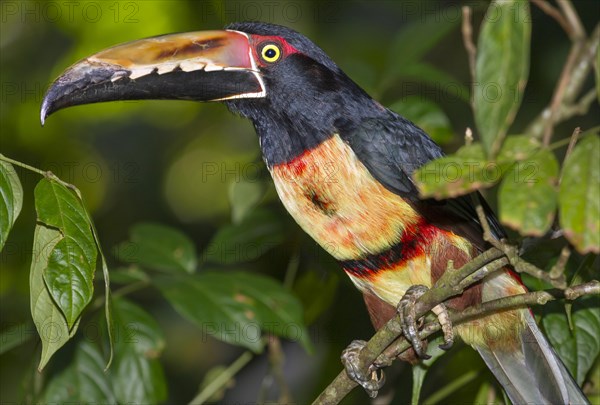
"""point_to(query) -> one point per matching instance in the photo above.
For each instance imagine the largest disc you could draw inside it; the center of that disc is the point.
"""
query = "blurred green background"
(175, 162)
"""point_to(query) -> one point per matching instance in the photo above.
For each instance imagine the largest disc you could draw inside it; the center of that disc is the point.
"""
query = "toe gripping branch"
(374, 378)
(410, 325)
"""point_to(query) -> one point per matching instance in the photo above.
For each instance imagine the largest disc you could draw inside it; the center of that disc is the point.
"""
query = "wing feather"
(392, 148)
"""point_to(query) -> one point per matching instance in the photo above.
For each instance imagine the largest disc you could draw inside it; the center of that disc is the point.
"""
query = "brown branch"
(521, 266)
(342, 385)
(450, 284)
(580, 108)
(565, 110)
(512, 253)
(500, 304)
(555, 13)
(467, 34)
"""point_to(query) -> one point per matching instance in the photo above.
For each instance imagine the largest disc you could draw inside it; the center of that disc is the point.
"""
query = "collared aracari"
(342, 166)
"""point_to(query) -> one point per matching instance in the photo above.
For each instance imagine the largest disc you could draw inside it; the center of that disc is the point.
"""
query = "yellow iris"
(271, 53)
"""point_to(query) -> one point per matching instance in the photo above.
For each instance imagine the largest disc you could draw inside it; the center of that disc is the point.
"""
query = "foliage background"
(174, 162)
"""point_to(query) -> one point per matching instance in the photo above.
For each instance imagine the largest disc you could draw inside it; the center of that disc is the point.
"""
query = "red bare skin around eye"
(257, 40)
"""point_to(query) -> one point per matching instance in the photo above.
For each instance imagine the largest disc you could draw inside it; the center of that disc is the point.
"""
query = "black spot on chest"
(322, 204)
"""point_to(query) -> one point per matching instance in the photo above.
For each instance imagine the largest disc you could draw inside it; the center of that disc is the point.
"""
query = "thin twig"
(559, 144)
(580, 108)
(512, 253)
(583, 66)
(578, 32)
(557, 98)
(276, 360)
(487, 232)
(559, 267)
(47, 174)
(521, 266)
(222, 379)
(577, 79)
(467, 34)
(555, 13)
(572, 142)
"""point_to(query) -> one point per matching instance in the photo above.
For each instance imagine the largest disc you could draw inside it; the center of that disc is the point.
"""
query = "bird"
(342, 165)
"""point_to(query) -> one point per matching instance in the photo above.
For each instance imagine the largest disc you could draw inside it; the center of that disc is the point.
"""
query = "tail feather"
(534, 375)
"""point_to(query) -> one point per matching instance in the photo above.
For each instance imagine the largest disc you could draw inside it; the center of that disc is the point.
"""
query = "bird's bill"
(200, 66)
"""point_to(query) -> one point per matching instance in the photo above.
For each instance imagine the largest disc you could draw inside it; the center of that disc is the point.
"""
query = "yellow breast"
(334, 198)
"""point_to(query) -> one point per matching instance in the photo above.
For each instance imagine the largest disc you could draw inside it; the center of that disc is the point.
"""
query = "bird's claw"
(410, 325)
(372, 380)
(408, 321)
(441, 312)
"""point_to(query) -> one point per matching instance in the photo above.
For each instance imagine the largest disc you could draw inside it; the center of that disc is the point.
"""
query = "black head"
(295, 95)
(308, 96)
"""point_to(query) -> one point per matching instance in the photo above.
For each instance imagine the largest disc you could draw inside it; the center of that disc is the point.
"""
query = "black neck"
(306, 104)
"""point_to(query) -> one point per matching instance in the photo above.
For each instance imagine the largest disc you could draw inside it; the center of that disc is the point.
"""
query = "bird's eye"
(270, 53)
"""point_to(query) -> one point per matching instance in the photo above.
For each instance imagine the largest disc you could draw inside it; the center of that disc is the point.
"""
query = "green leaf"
(158, 247)
(47, 316)
(128, 275)
(236, 307)
(419, 371)
(137, 330)
(578, 197)
(137, 375)
(316, 293)
(215, 374)
(69, 273)
(258, 233)
(457, 174)
(15, 336)
(427, 115)
(483, 394)
(527, 198)
(11, 200)
(578, 348)
(405, 51)
(84, 381)
(593, 394)
(243, 197)
(139, 381)
(517, 148)
(435, 78)
(454, 385)
(501, 69)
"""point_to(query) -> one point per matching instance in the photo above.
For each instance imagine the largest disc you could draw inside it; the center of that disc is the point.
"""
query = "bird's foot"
(410, 325)
(373, 379)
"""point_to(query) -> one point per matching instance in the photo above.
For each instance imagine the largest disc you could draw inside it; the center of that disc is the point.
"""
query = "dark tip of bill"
(44, 111)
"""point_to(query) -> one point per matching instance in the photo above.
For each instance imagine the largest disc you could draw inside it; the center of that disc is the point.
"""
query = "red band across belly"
(413, 243)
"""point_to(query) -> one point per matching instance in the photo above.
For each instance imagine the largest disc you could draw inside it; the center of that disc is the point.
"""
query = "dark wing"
(392, 148)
